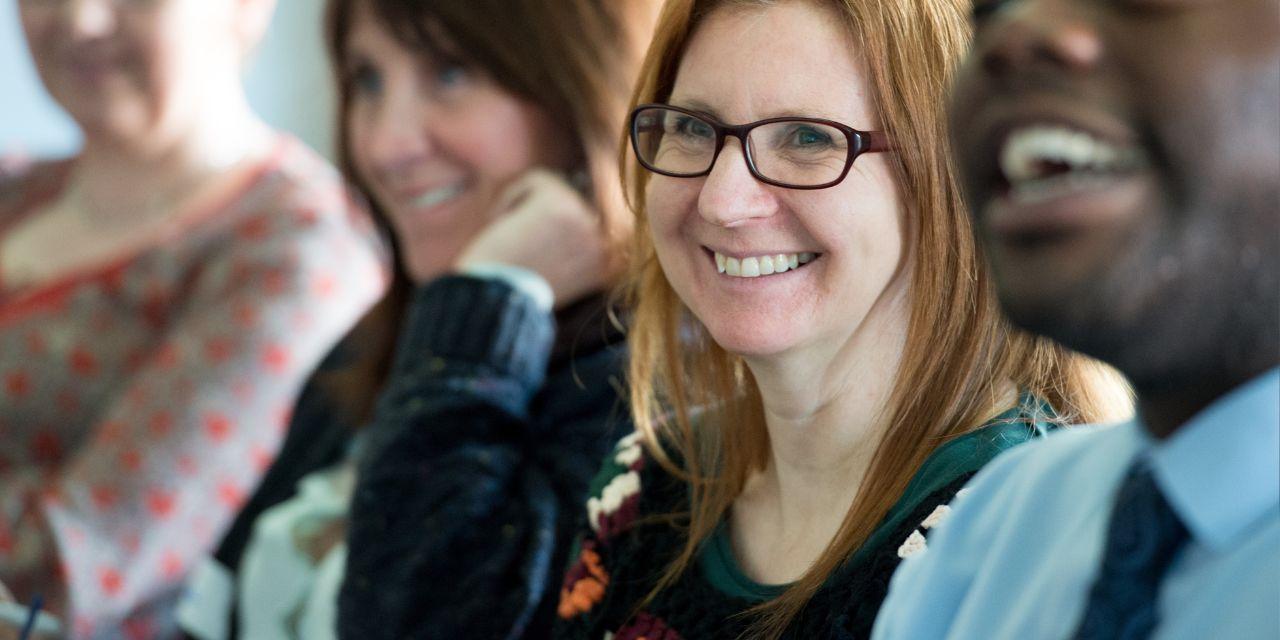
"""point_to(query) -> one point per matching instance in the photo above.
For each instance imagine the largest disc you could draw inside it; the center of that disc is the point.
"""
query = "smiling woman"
(455, 431)
(162, 296)
(818, 364)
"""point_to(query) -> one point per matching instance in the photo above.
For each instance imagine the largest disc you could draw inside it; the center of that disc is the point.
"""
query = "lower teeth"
(1042, 189)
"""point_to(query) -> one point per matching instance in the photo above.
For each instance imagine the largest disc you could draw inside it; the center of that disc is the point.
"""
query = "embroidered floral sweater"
(621, 555)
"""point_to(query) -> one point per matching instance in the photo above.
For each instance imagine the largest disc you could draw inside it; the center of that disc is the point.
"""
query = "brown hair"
(575, 59)
(956, 339)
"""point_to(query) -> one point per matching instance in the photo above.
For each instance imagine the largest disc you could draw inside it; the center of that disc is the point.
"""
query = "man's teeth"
(1043, 152)
(438, 196)
(757, 266)
(1046, 189)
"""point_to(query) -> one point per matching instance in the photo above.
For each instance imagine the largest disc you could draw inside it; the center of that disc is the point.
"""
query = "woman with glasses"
(163, 294)
(817, 363)
(435, 469)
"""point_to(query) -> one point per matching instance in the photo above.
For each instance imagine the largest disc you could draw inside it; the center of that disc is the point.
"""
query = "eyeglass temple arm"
(877, 141)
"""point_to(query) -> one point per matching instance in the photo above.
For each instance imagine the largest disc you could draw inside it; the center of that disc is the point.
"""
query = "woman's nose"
(730, 195)
(403, 132)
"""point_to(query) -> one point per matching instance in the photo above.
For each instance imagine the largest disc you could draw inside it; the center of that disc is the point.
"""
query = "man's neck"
(1165, 408)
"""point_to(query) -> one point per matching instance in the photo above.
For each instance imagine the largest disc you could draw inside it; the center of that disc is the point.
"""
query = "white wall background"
(288, 84)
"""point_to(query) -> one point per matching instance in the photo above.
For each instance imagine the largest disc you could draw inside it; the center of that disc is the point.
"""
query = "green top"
(961, 456)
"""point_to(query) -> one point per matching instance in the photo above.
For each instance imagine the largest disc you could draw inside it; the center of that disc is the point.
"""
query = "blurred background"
(288, 85)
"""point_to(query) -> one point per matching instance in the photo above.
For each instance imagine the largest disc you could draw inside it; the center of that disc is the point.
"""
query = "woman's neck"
(120, 177)
(826, 411)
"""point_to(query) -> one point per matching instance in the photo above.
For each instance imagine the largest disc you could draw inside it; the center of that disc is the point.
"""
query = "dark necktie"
(1142, 539)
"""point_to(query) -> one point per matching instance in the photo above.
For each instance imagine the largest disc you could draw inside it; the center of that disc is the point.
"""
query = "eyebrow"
(703, 107)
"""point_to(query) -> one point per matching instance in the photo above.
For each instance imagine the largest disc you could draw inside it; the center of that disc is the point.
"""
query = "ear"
(251, 19)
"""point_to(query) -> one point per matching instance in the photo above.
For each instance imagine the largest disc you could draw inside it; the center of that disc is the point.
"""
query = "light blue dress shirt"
(1019, 552)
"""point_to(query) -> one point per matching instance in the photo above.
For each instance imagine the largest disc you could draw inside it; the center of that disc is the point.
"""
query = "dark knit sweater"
(621, 555)
(478, 458)
(476, 466)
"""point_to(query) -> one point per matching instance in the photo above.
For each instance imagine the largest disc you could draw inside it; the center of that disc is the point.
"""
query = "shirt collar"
(1221, 470)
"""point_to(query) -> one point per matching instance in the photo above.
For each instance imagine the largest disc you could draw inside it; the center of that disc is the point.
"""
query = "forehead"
(366, 33)
(369, 41)
(792, 58)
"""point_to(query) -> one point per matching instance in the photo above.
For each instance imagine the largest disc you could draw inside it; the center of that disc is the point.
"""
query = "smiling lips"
(756, 266)
(1042, 162)
(437, 196)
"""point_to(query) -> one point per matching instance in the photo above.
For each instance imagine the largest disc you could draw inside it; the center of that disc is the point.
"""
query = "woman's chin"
(754, 340)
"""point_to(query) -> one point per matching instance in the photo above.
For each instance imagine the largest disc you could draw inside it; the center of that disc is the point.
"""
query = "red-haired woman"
(817, 360)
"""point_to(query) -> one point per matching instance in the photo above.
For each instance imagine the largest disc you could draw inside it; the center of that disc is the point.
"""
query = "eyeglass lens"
(793, 152)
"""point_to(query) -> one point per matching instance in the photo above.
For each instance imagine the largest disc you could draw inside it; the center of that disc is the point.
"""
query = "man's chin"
(1064, 319)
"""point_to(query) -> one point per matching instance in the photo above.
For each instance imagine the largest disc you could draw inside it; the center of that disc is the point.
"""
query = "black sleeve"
(475, 466)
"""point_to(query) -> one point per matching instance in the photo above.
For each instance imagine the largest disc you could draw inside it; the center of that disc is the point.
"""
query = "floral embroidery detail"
(616, 507)
(936, 517)
(647, 627)
(915, 544)
(629, 450)
(584, 584)
(615, 493)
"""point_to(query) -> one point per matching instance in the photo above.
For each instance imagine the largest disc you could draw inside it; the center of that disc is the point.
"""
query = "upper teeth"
(756, 266)
(1027, 150)
(437, 196)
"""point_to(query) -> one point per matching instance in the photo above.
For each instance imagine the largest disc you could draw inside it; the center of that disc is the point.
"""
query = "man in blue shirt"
(1122, 158)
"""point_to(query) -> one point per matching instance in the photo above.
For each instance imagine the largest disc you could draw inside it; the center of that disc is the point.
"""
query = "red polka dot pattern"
(145, 398)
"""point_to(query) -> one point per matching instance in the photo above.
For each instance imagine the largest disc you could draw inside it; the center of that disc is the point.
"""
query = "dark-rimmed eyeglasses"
(789, 152)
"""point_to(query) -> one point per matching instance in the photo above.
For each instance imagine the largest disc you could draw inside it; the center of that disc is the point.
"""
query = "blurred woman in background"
(162, 296)
(485, 135)
(818, 363)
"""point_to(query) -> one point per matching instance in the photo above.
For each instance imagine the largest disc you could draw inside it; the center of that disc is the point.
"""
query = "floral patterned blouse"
(140, 401)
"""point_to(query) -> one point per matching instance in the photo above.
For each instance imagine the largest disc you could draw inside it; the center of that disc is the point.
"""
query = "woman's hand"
(543, 224)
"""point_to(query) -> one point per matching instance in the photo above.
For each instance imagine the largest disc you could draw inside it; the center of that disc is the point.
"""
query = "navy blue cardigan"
(476, 466)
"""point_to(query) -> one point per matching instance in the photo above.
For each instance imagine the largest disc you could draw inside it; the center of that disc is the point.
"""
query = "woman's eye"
(365, 80)
(809, 137)
(694, 127)
(451, 76)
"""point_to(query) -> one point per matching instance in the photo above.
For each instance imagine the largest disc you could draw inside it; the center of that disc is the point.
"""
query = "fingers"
(537, 185)
(520, 189)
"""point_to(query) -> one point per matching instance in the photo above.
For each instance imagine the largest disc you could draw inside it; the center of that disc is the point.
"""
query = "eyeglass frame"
(860, 142)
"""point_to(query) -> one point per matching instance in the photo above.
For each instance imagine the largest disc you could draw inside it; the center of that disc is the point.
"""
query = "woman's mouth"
(756, 266)
(437, 196)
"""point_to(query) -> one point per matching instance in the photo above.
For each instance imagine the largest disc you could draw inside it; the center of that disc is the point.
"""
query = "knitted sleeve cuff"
(525, 280)
(480, 321)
